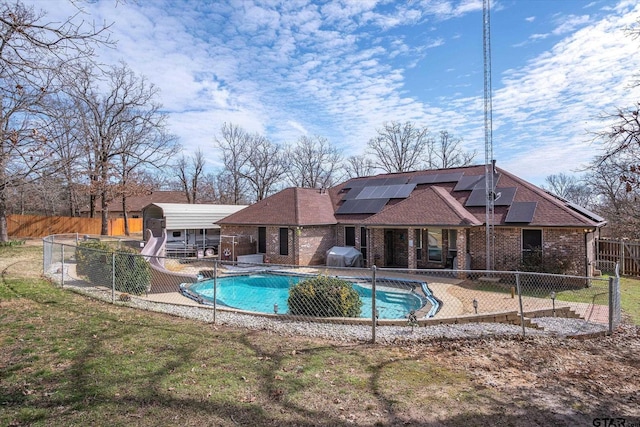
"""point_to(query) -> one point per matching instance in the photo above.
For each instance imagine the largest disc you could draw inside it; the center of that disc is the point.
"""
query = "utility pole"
(488, 135)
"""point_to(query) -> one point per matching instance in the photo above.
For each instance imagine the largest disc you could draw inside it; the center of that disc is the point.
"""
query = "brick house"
(421, 219)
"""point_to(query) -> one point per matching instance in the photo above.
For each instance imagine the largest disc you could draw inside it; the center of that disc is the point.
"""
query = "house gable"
(290, 207)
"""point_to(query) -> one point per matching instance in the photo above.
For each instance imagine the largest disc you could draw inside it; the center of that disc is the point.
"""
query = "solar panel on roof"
(356, 184)
(585, 212)
(400, 191)
(394, 180)
(368, 192)
(404, 191)
(376, 181)
(423, 179)
(502, 196)
(448, 177)
(521, 212)
(468, 182)
(478, 197)
(366, 206)
(352, 193)
(372, 205)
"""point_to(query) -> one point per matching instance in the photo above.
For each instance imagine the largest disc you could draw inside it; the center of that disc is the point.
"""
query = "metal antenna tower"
(488, 134)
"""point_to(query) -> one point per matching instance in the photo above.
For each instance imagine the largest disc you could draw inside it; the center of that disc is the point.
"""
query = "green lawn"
(630, 298)
(597, 292)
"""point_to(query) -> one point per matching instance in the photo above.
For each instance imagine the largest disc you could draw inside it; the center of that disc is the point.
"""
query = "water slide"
(154, 249)
(162, 280)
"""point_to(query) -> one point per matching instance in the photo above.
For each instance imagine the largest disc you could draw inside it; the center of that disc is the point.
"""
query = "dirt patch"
(490, 381)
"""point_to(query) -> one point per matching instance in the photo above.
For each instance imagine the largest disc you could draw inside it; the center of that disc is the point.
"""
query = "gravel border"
(551, 326)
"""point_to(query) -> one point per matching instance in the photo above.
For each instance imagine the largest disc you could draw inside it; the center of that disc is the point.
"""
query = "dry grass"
(67, 360)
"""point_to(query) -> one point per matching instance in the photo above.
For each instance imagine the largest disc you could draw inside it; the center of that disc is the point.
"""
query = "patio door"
(396, 248)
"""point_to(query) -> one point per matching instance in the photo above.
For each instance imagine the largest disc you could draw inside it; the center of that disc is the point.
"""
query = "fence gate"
(624, 252)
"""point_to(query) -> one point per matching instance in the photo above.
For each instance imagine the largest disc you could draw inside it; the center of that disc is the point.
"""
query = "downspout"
(586, 255)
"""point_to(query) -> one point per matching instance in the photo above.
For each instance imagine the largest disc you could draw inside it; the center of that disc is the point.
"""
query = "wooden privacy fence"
(41, 226)
(625, 252)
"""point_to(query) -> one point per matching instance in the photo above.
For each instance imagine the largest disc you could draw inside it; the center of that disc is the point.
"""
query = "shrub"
(324, 296)
(94, 261)
(553, 262)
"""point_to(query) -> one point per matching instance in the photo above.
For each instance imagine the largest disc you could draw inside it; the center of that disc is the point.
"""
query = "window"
(262, 240)
(176, 233)
(531, 242)
(349, 236)
(284, 241)
(418, 244)
(363, 242)
(453, 243)
(434, 240)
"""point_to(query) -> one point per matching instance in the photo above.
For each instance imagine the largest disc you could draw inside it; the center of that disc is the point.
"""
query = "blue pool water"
(259, 293)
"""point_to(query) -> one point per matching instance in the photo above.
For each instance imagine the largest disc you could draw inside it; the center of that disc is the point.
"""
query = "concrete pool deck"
(457, 301)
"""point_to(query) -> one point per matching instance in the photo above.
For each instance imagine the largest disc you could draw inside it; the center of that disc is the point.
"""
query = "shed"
(344, 256)
(188, 226)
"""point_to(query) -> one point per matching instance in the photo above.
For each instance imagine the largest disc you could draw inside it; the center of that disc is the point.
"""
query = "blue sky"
(340, 69)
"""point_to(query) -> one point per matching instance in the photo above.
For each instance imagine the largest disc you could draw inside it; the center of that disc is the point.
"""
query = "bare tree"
(265, 166)
(614, 200)
(143, 144)
(622, 141)
(234, 144)
(109, 118)
(61, 134)
(446, 152)
(313, 163)
(208, 189)
(226, 190)
(357, 166)
(33, 53)
(400, 147)
(570, 187)
(190, 171)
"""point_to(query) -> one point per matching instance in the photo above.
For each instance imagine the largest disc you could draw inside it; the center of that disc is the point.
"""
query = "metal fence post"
(374, 318)
(520, 302)
(62, 271)
(113, 277)
(215, 288)
(611, 305)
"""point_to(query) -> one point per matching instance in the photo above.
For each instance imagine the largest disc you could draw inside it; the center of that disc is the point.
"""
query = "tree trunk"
(104, 231)
(92, 206)
(4, 228)
(125, 215)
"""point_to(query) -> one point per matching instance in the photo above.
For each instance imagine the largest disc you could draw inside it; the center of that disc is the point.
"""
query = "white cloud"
(342, 68)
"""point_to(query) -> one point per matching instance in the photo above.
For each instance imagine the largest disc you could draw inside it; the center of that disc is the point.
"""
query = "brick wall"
(566, 242)
(307, 245)
(376, 247)
(314, 242)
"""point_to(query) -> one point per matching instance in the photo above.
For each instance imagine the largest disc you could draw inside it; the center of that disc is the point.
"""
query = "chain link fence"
(364, 300)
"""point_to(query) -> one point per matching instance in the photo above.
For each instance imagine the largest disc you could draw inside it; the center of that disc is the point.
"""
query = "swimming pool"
(264, 293)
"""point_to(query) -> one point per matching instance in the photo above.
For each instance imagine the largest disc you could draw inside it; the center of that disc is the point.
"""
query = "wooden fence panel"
(41, 226)
(624, 252)
(116, 226)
